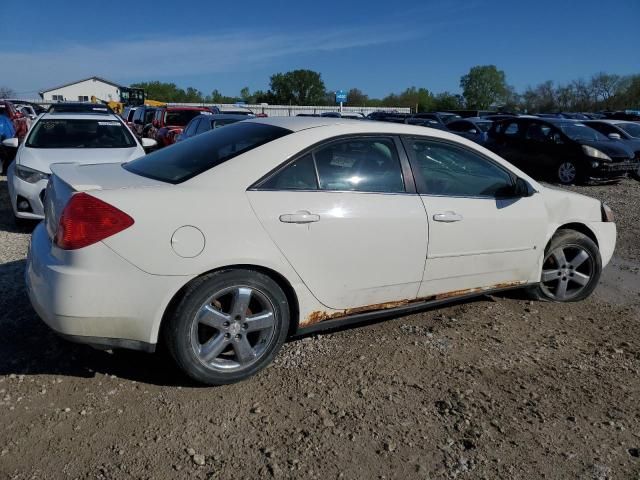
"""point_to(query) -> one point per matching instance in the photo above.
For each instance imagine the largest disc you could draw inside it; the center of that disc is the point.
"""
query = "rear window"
(89, 133)
(185, 160)
(180, 118)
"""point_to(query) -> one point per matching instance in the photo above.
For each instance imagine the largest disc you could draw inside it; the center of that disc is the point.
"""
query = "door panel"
(364, 249)
(495, 242)
(480, 233)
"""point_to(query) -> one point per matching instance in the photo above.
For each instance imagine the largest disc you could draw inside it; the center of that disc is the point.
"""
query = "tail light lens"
(86, 220)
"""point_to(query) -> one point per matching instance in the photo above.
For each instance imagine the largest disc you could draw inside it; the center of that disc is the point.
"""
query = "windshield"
(580, 132)
(632, 129)
(184, 160)
(67, 133)
(180, 118)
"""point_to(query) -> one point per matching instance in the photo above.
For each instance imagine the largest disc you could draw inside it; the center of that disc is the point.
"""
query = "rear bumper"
(93, 296)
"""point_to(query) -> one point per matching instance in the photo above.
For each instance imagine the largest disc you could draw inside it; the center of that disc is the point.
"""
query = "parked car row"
(166, 124)
(561, 147)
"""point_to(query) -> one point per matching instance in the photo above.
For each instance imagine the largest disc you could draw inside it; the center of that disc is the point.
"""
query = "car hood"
(41, 159)
(613, 148)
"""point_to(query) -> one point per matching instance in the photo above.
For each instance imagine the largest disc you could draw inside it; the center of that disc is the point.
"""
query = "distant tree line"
(483, 87)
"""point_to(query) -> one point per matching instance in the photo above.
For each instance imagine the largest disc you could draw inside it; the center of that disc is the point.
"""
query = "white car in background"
(68, 138)
(225, 244)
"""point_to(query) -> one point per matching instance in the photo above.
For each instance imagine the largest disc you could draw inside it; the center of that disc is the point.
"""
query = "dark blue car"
(205, 122)
(475, 128)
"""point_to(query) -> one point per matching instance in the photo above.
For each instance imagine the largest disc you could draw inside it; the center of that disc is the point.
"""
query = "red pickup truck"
(168, 122)
(20, 122)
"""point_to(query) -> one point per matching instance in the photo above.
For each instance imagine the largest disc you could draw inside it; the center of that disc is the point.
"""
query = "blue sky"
(377, 46)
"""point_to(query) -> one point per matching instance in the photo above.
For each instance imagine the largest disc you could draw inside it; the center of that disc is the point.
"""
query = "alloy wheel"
(567, 172)
(566, 272)
(233, 328)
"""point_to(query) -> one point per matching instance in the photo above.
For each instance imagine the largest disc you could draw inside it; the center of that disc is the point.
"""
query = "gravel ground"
(499, 387)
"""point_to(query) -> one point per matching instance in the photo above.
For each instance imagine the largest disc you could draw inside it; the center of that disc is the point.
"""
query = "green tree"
(356, 98)
(169, 92)
(6, 92)
(483, 86)
(301, 87)
(447, 101)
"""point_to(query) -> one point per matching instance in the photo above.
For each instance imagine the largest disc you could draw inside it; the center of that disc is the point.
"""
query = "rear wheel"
(228, 326)
(571, 268)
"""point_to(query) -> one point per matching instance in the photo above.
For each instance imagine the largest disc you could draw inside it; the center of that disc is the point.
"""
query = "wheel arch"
(281, 280)
(578, 227)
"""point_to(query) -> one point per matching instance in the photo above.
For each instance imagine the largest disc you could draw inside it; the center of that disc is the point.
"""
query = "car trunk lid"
(68, 179)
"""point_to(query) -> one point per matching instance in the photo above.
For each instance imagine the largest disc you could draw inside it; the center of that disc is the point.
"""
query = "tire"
(568, 172)
(573, 274)
(227, 326)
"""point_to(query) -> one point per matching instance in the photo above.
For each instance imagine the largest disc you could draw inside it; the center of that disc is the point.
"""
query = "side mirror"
(148, 142)
(523, 188)
(614, 136)
(10, 142)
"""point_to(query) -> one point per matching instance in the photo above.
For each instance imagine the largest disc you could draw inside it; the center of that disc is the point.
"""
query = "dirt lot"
(500, 387)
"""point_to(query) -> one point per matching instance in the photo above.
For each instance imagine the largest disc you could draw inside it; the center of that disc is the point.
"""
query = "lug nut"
(237, 317)
(225, 324)
(227, 335)
(245, 325)
(238, 337)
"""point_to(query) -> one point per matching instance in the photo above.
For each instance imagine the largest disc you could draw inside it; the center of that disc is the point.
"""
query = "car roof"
(79, 107)
(222, 116)
(177, 107)
(80, 116)
(608, 120)
(475, 119)
(353, 126)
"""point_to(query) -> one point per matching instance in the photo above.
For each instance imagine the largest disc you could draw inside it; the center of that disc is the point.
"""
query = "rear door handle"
(447, 217)
(302, 216)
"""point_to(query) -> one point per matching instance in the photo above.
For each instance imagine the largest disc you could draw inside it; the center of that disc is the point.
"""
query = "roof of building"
(100, 79)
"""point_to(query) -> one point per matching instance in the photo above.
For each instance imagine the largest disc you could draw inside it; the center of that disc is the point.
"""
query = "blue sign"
(341, 96)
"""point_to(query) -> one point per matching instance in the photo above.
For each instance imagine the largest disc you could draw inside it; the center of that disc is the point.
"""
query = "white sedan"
(60, 137)
(224, 245)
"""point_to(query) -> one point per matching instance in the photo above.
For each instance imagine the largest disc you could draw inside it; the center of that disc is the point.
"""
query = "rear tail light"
(86, 220)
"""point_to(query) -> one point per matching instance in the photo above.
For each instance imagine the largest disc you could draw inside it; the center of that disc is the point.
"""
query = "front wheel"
(228, 326)
(571, 268)
(568, 173)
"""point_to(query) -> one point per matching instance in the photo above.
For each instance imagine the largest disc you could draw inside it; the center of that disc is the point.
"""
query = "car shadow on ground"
(29, 347)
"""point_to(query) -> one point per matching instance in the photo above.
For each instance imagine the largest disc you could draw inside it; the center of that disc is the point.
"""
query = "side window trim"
(419, 178)
(407, 175)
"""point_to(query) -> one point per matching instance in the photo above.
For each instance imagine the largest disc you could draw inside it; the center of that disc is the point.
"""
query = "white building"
(83, 90)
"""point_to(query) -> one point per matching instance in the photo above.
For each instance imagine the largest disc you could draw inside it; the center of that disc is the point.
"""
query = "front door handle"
(447, 217)
(302, 216)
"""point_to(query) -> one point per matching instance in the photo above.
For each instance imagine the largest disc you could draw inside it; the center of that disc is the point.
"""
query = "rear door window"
(299, 175)
(362, 164)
